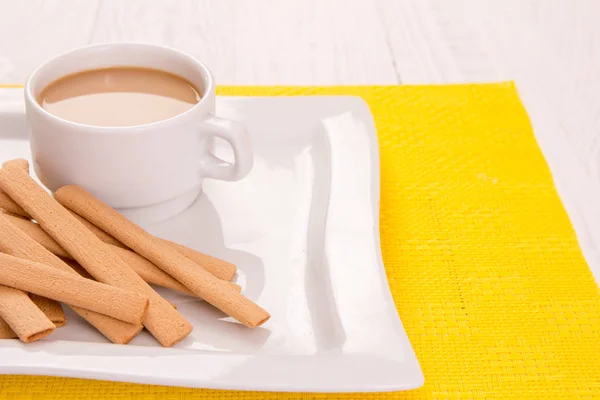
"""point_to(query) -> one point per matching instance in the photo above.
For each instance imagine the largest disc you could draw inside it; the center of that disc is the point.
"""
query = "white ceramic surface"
(149, 166)
(302, 228)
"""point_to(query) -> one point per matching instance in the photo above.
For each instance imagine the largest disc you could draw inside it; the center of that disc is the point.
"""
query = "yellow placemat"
(482, 260)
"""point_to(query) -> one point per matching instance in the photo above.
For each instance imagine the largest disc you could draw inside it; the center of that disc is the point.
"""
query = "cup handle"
(237, 136)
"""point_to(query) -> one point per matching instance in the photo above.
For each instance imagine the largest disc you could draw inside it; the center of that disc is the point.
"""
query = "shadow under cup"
(148, 172)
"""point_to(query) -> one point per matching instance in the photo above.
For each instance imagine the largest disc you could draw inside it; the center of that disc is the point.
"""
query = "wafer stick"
(154, 275)
(20, 163)
(36, 232)
(51, 308)
(122, 304)
(144, 268)
(7, 204)
(105, 237)
(15, 242)
(164, 322)
(5, 331)
(76, 267)
(126, 331)
(22, 315)
(79, 269)
(148, 271)
(219, 268)
(199, 281)
(32, 325)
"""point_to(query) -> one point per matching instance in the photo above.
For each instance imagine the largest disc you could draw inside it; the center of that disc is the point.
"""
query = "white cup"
(151, 171)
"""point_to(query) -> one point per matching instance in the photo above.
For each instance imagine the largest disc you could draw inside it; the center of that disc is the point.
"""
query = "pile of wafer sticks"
(76, 250)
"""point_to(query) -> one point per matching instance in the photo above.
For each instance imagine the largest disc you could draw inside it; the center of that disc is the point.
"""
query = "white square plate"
(303, 230)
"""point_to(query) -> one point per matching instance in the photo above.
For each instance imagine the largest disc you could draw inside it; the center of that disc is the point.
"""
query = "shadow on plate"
(200, 228)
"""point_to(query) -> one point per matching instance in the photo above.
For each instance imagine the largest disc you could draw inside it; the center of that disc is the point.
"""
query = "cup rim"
(30, 98)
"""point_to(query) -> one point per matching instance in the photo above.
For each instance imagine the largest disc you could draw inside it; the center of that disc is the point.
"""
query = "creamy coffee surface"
(119, 96)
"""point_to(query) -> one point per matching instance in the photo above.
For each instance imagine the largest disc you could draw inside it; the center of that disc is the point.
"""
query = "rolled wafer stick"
(122, 304)
(105, 237)
(79, 269)
(20, 163)
(36, 232)
(6, 203)
(219, 268)
(163, 322)
(154, 275)
(15, 242)
(148, 271)
(51, 308)
(20, 313)
(144, 268)
(216, 266)
(116, 331)
(5, 331)
(37, 326)
(234, 286)
(199, 281)
(76, 267)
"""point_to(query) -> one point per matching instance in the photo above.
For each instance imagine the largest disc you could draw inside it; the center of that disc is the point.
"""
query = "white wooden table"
(551, 48)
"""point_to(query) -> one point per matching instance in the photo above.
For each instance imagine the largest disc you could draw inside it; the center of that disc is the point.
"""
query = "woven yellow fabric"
(482, 260)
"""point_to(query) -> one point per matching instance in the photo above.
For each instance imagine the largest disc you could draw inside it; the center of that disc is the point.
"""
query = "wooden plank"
(262, 42)
(31, 32)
